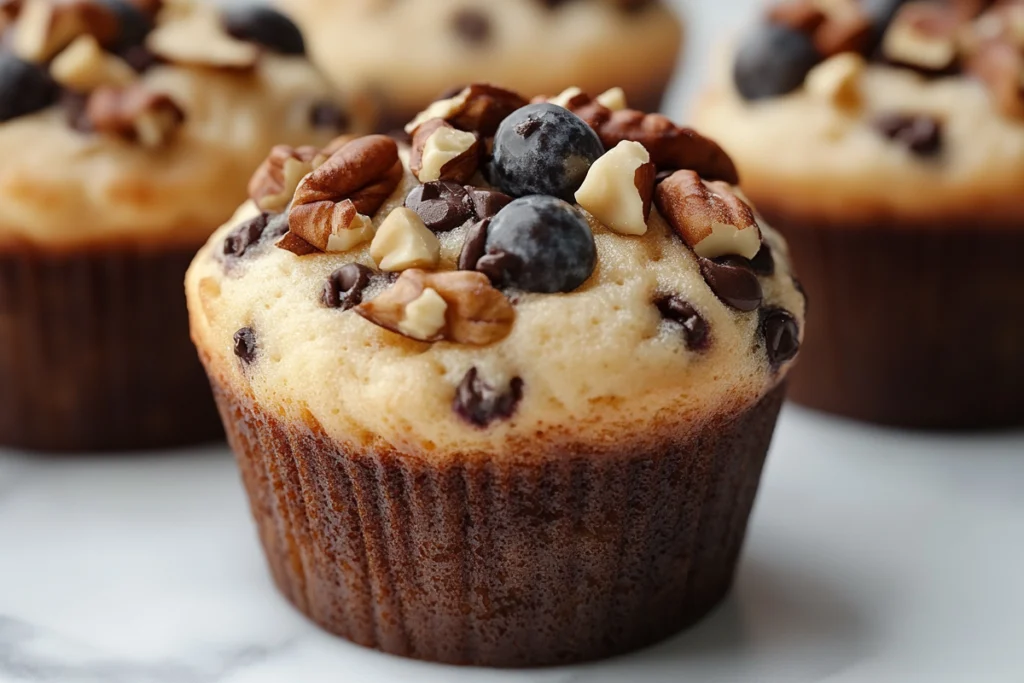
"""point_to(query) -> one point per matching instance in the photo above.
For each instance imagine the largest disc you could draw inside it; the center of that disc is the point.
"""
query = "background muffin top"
(140, 121)
(880, 107)
(410, 51)
(568, 272)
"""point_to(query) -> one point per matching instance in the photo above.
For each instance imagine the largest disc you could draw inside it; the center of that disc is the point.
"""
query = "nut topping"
(134, 113)
(45, 27)
(474, 312)
(619, 187)
(1000, 65)
(922, 36)
(273, 185)
(441, 152)
(403, 242)
(613, 98)
(331, 205)
(479, 108)
(837, 79)
(197, 37)
(709, 217)
(84, 66)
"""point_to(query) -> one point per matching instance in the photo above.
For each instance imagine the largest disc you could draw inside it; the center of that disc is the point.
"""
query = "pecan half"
(710, 218)
(479, 108)
(134, 113)
(273, 185)
(473, 311)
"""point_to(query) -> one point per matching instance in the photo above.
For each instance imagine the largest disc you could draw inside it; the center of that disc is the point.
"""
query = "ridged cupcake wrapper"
(95, 352)
(571, 559)
(912, 326)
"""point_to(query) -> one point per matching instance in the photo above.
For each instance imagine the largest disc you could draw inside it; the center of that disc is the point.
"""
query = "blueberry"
(24, 88)
(264, 26)
(539, 244)
(543, 149)
(774, 60)
(134, 24)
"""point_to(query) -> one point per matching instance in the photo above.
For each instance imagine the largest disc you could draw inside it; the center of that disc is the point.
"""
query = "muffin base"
(910, 325)
(95, 353)
(550, 559)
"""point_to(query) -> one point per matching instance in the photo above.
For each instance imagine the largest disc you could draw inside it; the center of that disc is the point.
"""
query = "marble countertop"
(874, 555)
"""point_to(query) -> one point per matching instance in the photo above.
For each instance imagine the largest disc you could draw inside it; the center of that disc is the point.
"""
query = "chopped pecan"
(479, 108)
(619, 187)
(134, 113)
(442, 152)
(273, 185)
(474, 312)
(710, 218)
(923, 36)
(45, 27)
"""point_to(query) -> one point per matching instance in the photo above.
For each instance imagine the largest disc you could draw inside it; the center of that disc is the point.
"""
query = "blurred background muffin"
(128, 133)
(886, 140)
(409, 52)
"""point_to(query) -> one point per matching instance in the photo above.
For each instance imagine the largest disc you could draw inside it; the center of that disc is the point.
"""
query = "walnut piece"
(45, 27)
(837, 79)
(403, 242)
(134, 113)
(474, 313)
(442, 152)
(710, 218)
(479, 108)
(619, 187)
(196, 36)
(923, 35)
(84, 66)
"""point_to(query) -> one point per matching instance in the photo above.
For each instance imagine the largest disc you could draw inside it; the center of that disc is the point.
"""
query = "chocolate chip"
(682, 313)
(763, 262)
(25, 88)
(478, 403)
(441, 204)
(499, 266)
(245, 345)
(919, 133)
(328, 116)
(260, 229)
(472, 25)
(134, 25)
(486, 203)
(344, 287)
(733, 281)
(773, 61)
(474, 245)
(781, 335)
(139, 58)
(264, 26)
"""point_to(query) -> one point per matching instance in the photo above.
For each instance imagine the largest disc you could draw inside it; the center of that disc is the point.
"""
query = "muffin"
(127, 140)
(886, 141)
(411, 52)
(507, 422)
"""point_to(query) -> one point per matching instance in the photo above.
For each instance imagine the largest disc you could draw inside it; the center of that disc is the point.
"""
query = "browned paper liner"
(576, 557)
(95, 352)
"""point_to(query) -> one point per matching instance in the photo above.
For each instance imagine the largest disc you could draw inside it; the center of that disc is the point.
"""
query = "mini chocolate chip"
(344, 287)
(134, 25)
(773, 61)
(763, 262)
(919, 133)
(733, 281)
(499, 266)
(781, 335)
(329, 116)
(262, 228)
(472, 25)
(486, 203)
(474, 245)
(245, 345)
(25, 88)
(478, 403)
(441, 204)
(264, 26)
(682, 313)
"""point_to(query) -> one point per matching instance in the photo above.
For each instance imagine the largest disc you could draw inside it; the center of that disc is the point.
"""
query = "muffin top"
(882, 108)
(567, 273)
(141, 122)
(529, 45)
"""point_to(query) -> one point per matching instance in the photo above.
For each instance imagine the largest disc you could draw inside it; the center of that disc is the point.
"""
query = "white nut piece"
(84, 66)
(615, 193)
(838, 79)
(442, 109)
(424, 316)
(614, 99)
(563, 98)
(43, 29)
(343, 238)
(444, 145)
(292, 170)
(907, 43)
(403, 242)
(197, 38)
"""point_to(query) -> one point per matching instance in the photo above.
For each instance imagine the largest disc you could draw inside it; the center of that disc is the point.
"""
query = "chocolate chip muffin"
(503, 397)
(411, 51)
(886, 141)
(129, 136)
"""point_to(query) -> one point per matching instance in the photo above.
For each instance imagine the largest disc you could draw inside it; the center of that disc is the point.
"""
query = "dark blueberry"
(472, 25)
(682, 313)
(474, 245)
(763, 262)
(773, 61)
(345, 286)
(133, 24)
(480, 404)
(264, 26)
(919, 133)
(543, 149)
(24, 87)
(254, 232)
(781, 335)
(539, 244)
(441, 204)
(733, 281)
(329, 116)
(245, 345)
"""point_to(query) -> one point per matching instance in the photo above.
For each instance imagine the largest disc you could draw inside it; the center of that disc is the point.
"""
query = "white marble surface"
(874, 556)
